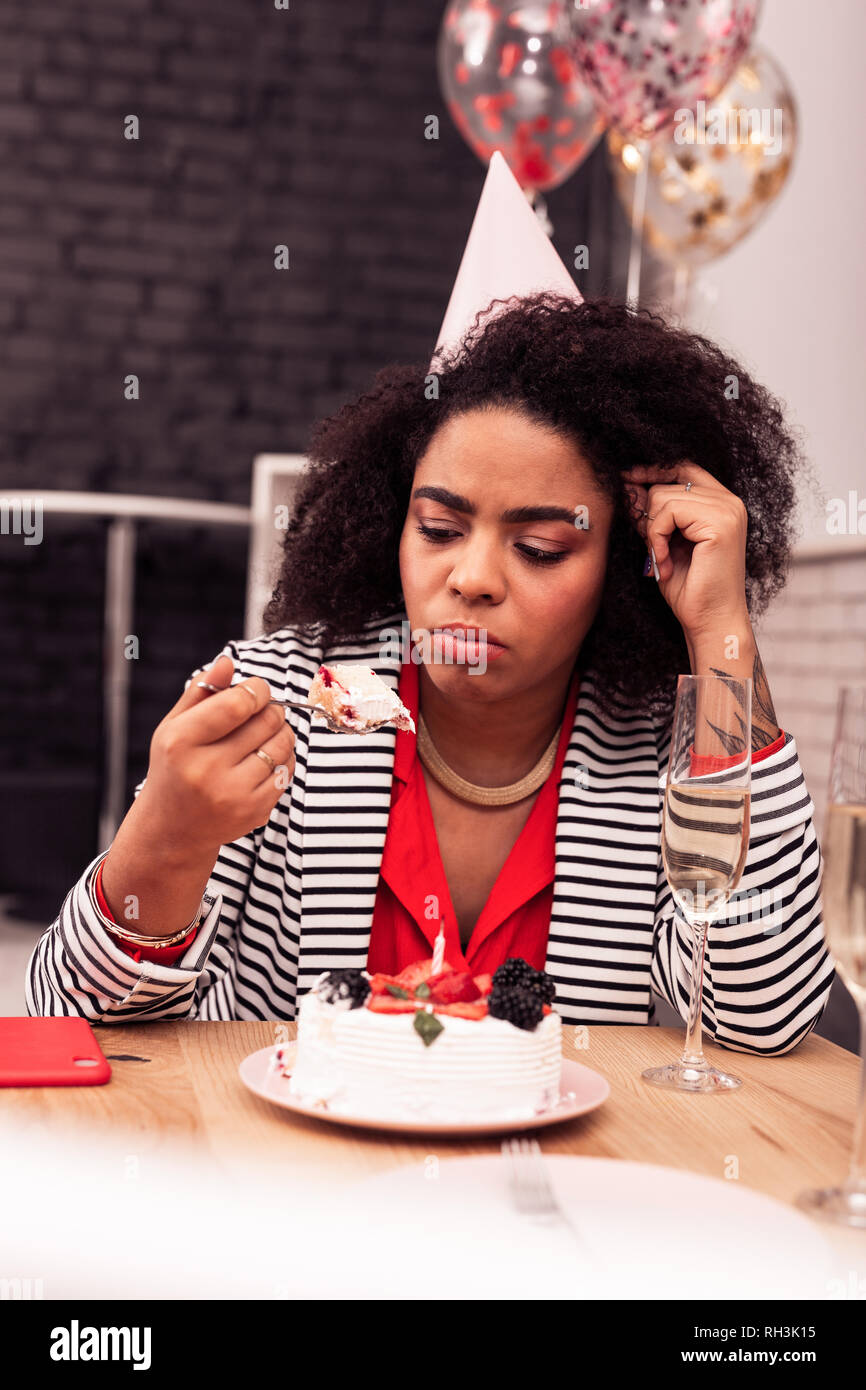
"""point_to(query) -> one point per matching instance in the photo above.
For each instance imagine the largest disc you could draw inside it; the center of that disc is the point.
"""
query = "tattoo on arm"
(765, 728)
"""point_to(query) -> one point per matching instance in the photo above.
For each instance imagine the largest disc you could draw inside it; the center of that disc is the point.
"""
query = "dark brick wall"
(257, 127)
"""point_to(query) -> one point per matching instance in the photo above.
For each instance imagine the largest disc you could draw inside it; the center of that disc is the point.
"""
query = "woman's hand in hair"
(699, 541)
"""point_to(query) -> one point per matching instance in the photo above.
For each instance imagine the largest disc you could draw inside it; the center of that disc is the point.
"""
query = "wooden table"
(788, 1127)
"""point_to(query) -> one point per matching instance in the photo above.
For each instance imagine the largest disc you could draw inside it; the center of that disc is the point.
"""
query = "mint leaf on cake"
(427, 1026)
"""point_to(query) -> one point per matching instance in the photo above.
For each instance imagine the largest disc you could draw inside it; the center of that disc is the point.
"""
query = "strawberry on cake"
(358, 700)
(441, 1048)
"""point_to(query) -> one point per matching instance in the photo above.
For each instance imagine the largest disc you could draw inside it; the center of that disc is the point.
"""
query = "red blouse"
(413, 891)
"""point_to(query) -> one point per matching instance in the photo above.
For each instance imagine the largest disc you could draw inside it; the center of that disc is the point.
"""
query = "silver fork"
(333, 725)
(532, 1194)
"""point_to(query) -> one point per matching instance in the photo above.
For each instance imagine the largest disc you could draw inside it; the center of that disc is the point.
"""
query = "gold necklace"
(483, 796)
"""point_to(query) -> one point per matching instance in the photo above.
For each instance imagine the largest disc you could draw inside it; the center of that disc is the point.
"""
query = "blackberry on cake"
(522, 1007)
(358, 700)
(517, 972)
(350, 987)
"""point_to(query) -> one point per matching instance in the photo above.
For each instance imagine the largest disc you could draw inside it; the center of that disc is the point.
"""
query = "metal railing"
(125, 510)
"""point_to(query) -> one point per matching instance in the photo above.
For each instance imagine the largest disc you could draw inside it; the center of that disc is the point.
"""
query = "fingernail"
(206, 685)
(655, 566)
(250, 691)
(647, 567)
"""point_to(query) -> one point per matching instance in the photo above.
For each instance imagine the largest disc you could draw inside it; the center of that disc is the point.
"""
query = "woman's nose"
(477, 573)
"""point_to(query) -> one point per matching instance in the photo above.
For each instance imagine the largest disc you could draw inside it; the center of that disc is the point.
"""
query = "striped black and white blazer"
(296, 896)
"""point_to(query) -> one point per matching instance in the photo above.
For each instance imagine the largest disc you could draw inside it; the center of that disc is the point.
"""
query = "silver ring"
(266, 758)
(688, 485)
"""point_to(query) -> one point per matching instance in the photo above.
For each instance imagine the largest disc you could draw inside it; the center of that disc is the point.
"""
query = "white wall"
(790, 301)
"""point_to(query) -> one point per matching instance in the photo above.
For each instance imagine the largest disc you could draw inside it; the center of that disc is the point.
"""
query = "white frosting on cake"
(359, 699)
(375, 1064)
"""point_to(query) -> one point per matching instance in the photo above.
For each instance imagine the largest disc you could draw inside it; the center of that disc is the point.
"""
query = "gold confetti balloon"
(717, 171)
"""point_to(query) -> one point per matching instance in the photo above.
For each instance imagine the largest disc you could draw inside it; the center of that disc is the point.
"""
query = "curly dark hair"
(626, 387)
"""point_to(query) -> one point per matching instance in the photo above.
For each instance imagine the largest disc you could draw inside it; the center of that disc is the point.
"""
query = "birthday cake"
(443, 1048)
(358, 700)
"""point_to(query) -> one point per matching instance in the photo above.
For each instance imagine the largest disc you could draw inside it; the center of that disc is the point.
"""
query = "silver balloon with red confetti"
(510, 78)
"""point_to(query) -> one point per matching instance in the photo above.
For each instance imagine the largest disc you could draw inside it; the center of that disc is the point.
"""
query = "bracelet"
(136, 938)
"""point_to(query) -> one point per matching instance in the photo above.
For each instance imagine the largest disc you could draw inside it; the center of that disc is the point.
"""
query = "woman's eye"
(542, 557)
(437, 533)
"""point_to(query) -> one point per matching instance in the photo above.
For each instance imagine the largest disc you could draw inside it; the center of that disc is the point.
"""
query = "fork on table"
(532, 1193)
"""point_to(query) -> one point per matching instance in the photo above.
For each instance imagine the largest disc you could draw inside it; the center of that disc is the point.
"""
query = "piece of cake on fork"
(358, 700)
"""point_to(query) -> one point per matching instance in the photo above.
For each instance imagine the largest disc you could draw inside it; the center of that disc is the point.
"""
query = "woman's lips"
(468, 648)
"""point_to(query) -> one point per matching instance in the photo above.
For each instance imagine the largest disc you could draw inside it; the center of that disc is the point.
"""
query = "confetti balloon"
(509, 75)
(647, 59)
(715, 176)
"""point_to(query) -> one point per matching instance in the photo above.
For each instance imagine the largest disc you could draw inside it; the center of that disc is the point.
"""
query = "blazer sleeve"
(767, 968)
(76, 968)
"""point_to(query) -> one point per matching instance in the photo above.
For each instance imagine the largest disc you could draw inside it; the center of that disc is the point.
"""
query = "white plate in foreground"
(582, 1090)
(644, 1231)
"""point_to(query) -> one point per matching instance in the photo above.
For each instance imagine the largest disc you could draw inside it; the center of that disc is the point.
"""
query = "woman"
(516, 497)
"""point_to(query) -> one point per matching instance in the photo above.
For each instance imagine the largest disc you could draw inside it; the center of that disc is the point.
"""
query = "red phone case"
(50, 1052)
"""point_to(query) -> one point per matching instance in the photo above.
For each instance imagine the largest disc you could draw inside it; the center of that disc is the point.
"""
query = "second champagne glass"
(705, 838)
(843, 900)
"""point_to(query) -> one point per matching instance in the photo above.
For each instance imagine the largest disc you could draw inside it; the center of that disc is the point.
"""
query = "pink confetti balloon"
(509, 75)
(647, 59)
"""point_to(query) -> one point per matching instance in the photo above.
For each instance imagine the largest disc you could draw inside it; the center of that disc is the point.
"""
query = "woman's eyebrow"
(521, 514)
(513, 516)
(448, 499)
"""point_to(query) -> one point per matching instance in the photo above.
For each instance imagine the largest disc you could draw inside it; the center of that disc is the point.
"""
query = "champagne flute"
(843, 897)
(705, 838)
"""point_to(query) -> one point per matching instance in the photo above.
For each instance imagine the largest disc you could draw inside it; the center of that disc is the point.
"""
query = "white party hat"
(508, 252)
